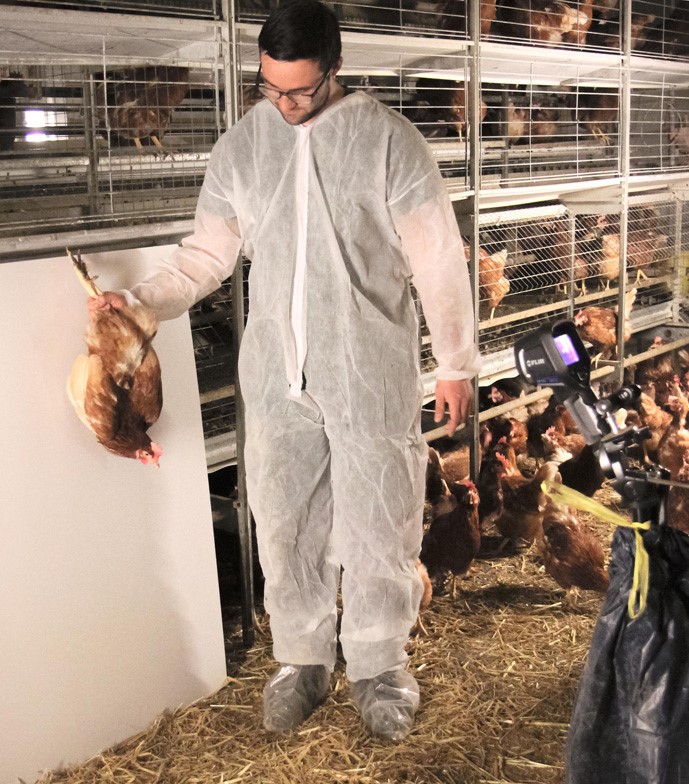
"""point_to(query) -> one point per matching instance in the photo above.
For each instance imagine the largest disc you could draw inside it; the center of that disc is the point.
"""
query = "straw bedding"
(498, 666)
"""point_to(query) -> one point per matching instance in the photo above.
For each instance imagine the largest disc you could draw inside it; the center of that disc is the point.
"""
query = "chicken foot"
(603, 138)
(161, 150)
(82, 272)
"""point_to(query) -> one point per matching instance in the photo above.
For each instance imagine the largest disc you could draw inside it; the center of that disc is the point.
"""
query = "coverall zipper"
(298, 304)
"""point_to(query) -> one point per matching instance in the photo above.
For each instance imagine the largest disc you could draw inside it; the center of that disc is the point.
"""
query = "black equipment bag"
(631, 719)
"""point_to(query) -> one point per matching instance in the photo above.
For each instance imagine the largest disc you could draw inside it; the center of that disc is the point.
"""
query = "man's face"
(300, 76)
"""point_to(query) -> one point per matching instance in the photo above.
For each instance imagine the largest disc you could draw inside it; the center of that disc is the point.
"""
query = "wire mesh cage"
(541, 263)
(525, 273)
(660, 28)
(653, 256)
(548, 117)
(442, 18)
(212, 321)
(659, 123)
(683, 271)
(207, 9)
(97, 131)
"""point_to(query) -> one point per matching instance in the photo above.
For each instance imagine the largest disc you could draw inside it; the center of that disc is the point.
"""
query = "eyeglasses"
(299, 97)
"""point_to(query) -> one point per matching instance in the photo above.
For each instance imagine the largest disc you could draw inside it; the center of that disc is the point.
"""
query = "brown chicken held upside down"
(116, 390)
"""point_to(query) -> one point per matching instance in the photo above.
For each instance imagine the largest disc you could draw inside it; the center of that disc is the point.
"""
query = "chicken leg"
(603, 138)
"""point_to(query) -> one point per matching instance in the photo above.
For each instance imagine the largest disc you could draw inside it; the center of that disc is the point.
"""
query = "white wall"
(109, 607)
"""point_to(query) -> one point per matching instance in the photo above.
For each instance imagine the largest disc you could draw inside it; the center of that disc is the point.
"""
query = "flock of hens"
(597, 257)
(439, 105)
(508, 493)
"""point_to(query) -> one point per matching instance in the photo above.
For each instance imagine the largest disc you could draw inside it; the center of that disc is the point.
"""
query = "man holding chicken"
(338, 203)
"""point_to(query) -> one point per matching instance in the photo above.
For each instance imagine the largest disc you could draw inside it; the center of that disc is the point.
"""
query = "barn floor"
(498, 667)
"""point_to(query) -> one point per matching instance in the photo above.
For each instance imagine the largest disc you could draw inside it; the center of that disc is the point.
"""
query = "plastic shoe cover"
(292, 693)
(387, 703)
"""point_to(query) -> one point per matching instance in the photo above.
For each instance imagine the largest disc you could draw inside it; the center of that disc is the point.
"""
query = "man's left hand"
(457, 397)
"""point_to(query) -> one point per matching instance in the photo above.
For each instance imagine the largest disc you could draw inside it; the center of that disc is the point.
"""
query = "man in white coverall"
(338, 203)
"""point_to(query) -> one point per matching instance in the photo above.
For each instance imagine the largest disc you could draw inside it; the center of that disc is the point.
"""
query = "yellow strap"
(565, 496)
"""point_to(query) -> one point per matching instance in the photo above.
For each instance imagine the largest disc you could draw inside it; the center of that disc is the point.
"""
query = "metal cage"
(660, 28)
(439, 18)
(105, 129)
(548, 116)
(206, 9)
(542, 263)
(659, 121)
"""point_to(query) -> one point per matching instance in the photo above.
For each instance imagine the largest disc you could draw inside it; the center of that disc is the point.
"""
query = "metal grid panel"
(430, 90)
(548, 23)
(89, 140)
(652, 255)
(538, 264)
(207, 9)
(659, 123)
(423, 17)
(535, 132)
(211, 329)
(683, 238)
(660, 28)
(525, 273)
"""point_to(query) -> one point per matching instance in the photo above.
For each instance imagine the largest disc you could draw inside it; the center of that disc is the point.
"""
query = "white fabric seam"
(298, 304)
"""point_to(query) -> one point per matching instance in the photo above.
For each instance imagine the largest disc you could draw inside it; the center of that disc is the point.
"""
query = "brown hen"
(571, 554)
(493, 285)
(598, 326)
(656, 375)
(458, 104)
(555, 417)
(454, 15)
(453, 537)
(549, 22)
(138, 103)
(609, 260)
(656, 420)
(523, 500)
(597, 111)
(678, 500)
(116, 390)
(673, 446)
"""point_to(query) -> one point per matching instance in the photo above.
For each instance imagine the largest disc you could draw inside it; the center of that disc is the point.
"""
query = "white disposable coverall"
(336, 217)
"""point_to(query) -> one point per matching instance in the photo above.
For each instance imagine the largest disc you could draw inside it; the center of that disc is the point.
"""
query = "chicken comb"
(82, 272)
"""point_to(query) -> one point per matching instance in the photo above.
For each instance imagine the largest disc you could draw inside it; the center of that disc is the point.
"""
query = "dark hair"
(302, 30)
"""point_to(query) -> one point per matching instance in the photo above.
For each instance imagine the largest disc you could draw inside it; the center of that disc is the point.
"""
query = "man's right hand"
(105, 300)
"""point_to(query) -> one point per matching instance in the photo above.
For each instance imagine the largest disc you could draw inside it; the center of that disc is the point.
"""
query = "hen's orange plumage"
(138, 103)
(523, 500)
(548, 22)
(598, 326)
(673, 446)
(678, 500)
(572, 555)
(598, 111)
(458, 103)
